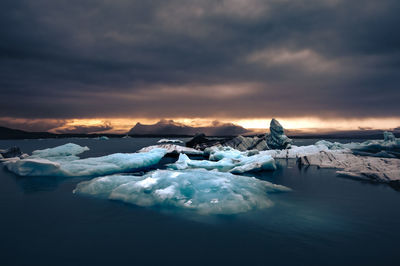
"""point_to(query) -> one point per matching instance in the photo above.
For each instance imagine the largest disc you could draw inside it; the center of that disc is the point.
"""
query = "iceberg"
(277, 138)
(362, 167)
(11, 154)
(185, 162)
(162, 141)
(66, 152)
(199, 190)
(102, 138)
(217, 153)
(62, 161)
(296, 151)
(258, 162)
(242, 164)
(172, 148)
(386, 147)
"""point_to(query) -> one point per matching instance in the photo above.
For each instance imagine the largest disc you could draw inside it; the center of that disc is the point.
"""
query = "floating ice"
(388, 143)
(242, 164)
(161, 141)
(217, 153)
(62, 161)
(295, 151)
(207, 192)
(66, 152)
(363, 167)
(185, 162)
(172, 148)
(102, 138)
(256, 162)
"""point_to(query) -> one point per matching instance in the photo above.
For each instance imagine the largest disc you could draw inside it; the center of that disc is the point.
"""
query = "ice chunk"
(33, 167)
(277, 138)
(162, 141)
(389, 143)
(207, 192)
(295, 151)
(388, 136)
(102, 138)
(172, 148)
(364, 167)
(50, 162)
(256, 162)
(220, 152)
(66, 152)
(242, 164)
(184, 162)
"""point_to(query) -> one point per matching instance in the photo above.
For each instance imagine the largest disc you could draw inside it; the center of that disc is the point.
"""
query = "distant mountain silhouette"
(170, 127)
(9, 133)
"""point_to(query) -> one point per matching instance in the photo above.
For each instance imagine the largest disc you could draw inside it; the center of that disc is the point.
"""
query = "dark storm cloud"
(330, 58)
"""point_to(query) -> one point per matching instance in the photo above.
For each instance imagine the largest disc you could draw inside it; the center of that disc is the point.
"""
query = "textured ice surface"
(387, 144)
(363, 167)
(161, 141)
(296, 151)
(172, 148)
(185, 162)
(62, 161)
(207, 192)
(66, 152)
(224, 152)
(240, 165)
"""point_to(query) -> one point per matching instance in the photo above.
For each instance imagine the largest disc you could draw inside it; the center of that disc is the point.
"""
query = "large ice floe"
(386, 170)
(206, 192)
(63, 161)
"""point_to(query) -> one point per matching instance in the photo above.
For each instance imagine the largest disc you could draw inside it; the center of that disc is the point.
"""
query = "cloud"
(82, 129)
(204, 58)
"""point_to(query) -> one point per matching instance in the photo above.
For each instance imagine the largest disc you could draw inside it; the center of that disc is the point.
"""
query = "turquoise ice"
(63, 161)
(200, 190)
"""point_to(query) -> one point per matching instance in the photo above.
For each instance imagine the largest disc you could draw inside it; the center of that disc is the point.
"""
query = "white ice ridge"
(242, 164)
(206, 192)
(217, 153)
(162, 141)
(172, 148)
(62, 161)
(297, 151)
(66, 152)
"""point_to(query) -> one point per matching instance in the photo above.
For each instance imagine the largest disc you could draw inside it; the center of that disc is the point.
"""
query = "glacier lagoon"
(325, 220)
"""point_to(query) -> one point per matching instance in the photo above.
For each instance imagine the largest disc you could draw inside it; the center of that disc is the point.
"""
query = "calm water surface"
(325, 220)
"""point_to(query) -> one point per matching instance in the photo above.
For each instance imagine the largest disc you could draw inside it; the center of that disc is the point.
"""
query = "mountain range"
(170, 127)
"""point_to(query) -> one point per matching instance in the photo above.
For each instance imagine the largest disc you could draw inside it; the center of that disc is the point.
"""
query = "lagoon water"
(325, 220)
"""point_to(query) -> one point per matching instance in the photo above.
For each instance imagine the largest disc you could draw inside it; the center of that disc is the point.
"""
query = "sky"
(94, 66)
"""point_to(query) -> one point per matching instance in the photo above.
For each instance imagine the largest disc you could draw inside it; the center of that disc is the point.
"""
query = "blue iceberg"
(206, 192)
(62, 161)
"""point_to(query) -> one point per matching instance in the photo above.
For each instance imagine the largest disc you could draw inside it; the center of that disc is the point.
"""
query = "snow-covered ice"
(62, 161)
(241, 164)
(362, 167)
(172, 148)
(66, 152)
(206, 192)
(162, 141)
